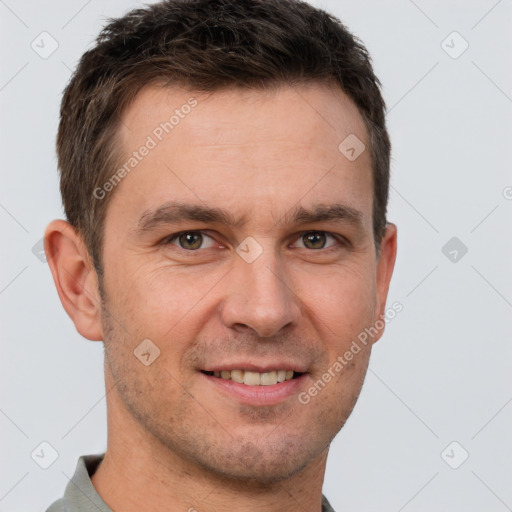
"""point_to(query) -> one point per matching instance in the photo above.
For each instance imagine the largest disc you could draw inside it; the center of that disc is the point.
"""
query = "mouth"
(255, 385)
(252, 378)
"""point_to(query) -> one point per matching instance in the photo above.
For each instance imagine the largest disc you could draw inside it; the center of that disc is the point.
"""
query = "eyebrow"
(175, 212)
(321, 213)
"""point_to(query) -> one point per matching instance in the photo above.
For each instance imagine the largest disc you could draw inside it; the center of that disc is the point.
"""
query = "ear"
(75, 278)
(385, 265)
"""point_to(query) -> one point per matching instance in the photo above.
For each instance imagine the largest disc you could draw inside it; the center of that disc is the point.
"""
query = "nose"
(260, 297)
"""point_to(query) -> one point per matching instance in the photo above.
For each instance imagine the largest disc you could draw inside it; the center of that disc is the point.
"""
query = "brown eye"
(191, 240)
(314, 240)
(318, 240)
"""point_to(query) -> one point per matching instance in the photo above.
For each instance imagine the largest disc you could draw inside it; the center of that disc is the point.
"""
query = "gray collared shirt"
(81, 496)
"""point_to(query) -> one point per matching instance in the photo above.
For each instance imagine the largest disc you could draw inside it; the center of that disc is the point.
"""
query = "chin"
(261, 463)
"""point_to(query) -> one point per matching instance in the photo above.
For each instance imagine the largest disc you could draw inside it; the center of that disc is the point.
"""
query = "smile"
(251, 378)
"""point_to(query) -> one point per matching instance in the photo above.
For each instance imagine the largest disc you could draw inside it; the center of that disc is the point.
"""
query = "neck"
(139, 473)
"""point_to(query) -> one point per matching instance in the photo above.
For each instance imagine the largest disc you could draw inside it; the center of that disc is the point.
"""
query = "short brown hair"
(204, 45)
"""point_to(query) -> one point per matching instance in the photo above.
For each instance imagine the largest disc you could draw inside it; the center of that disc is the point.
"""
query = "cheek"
(164, 304)
(343, 298)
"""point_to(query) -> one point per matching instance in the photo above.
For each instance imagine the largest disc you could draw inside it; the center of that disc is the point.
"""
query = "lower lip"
(258, 395)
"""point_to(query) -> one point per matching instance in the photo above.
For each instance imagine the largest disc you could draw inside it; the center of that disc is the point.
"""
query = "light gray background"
(441, 373)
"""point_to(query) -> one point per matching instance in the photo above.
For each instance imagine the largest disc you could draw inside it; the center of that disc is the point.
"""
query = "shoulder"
(57, 506)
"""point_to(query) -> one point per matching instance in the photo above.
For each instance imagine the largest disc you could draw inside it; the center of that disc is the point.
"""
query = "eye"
(317, 240)
(191, 240)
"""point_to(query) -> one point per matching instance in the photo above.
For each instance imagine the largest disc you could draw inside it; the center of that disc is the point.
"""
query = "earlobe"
(385, 266)
(75, 278)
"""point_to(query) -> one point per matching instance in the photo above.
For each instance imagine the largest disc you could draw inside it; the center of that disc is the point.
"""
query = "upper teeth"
(255, 378)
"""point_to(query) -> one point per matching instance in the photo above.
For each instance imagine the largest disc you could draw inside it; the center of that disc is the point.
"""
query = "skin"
(176, 442)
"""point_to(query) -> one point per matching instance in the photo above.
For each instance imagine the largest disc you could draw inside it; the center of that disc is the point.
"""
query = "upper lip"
(257, 367)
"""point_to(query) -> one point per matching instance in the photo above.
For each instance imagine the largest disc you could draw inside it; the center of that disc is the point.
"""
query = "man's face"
(280, 288)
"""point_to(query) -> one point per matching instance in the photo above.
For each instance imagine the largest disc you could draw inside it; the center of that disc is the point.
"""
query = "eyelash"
(342, 241)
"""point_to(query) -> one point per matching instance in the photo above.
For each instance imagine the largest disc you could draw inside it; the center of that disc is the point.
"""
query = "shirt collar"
(81, 496)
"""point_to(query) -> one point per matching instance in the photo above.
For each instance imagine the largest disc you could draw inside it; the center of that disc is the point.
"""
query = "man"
(224, 172)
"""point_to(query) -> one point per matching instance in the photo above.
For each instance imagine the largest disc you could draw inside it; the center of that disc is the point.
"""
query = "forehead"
(317, 114)
(238, 148)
